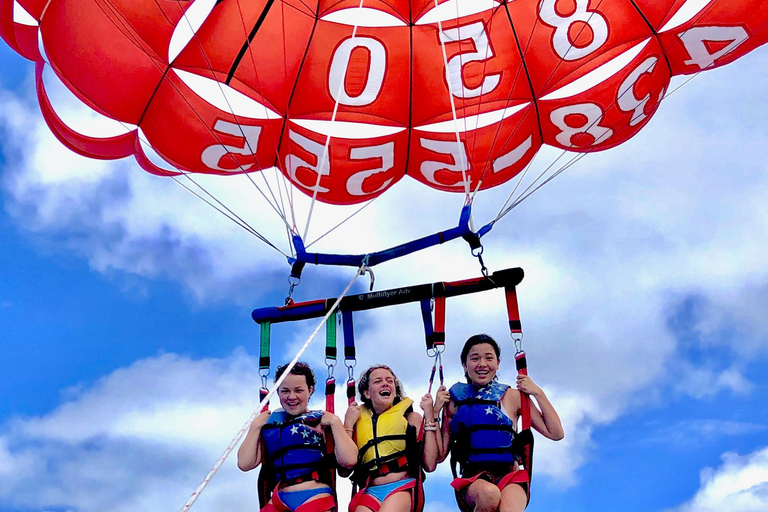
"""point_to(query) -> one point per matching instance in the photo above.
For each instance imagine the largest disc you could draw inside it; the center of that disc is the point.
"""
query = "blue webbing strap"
(426, 316)
(350, 360)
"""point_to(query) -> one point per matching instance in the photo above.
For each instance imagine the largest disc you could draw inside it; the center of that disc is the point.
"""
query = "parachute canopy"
(347, 97)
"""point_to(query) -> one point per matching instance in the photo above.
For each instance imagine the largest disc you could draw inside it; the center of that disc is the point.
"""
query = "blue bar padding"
(374, 258)
(349, 335)
(287, 313)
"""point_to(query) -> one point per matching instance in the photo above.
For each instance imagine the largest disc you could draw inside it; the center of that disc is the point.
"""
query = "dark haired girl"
(479, 427)
(290, 446)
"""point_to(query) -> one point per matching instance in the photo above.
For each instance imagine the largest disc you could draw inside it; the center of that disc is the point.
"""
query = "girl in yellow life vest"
(391, 449)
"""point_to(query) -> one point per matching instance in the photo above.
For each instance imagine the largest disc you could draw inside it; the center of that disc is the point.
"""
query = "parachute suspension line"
(334, 228)
(326, 148)
(463, 162)
(274, 203)
(280, 179)
(277, 206)
(488, 166)
(265, 400)
(226, 212)
(526, 193)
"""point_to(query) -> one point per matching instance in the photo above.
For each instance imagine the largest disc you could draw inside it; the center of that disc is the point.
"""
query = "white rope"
(266, 399)
(328, 141)
(453, 107)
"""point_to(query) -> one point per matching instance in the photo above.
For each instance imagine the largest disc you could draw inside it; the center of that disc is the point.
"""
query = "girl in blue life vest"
(290, 445)
(479, 428)
(391, 454)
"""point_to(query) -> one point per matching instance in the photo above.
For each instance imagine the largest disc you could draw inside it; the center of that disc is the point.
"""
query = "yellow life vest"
(382, 441)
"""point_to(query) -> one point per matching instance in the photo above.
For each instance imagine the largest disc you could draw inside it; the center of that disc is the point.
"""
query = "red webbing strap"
(525, 400)
(440, 320)
(513, 312)
(330, 391)
(350, 391)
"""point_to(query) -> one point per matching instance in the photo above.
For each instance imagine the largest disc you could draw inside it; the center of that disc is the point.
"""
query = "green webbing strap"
(264, 362)
(330, 340)
(330, 362)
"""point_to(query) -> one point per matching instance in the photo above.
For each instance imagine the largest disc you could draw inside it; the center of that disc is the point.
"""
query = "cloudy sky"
(129, 359)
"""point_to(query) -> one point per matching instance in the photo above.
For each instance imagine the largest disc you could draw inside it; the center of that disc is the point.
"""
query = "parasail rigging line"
(532, 187)
(224, 210)
(196, 494)
(275, 205)
(326, 148)
(231, 214)
(334, 228)
(278, 176)
(451, 94)
(487, 166)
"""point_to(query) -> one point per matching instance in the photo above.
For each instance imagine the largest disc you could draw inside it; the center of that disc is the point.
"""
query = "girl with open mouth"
(393, 450)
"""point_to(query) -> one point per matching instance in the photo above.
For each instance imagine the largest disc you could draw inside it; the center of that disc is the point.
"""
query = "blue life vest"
(294, 451)
(482, 435)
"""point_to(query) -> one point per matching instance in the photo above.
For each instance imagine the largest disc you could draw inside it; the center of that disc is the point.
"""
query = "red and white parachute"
(348, 97)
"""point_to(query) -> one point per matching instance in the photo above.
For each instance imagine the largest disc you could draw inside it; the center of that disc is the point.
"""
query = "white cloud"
(142, 437)
(740, 484)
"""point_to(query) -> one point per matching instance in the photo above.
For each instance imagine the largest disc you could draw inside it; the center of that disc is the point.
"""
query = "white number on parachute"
(695, 39)
(628, 100)
(384, 151)
(374, 80)
(561, 39)
(459, 166)
(212, 155)
(483, 51)
(293, 162)
(590, 113)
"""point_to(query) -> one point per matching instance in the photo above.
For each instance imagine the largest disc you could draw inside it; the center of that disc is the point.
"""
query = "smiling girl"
(479, 427)
(290, 446)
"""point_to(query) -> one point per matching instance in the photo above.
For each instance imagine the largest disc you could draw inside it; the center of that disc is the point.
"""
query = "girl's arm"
(432, 433)
(445, 434)
(249, 454)
(545, 420)
(344, 447)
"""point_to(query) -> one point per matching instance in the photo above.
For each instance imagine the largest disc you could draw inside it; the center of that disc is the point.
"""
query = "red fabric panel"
(611, 111)
(720, 33)
(101, 59)
(514, 59)
(194, 135)
(22, 38)
(101, 148)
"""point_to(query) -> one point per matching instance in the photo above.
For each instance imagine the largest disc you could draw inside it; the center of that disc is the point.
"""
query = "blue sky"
(128, 354)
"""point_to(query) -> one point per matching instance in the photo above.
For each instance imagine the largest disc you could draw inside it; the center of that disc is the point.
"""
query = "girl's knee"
(485, 498)
(513, 499)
